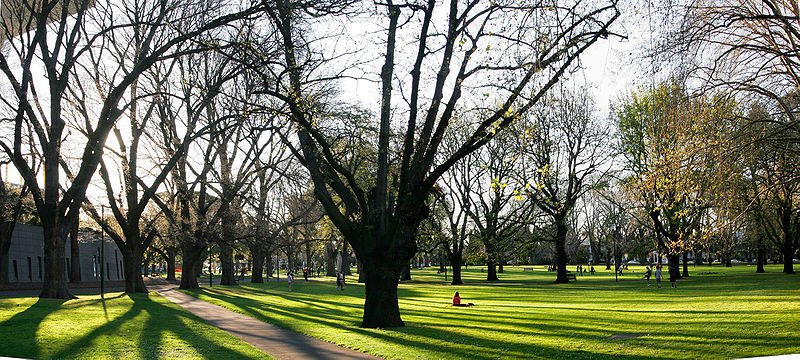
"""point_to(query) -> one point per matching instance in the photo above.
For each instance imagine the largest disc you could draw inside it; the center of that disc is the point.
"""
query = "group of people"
(673, 271)
(306, 271)
(579, 269)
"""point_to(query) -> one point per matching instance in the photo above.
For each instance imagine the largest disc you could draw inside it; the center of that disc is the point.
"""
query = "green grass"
(733, 313)
(123, 326)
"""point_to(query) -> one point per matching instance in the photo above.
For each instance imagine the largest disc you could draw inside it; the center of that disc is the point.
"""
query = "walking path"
(278, 343)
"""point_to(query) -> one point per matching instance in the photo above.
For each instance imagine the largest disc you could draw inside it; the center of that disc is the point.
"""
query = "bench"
(571, 277)
(527, 269)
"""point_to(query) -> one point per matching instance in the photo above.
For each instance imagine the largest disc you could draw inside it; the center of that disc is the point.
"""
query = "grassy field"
(717, 313)
(121, 327)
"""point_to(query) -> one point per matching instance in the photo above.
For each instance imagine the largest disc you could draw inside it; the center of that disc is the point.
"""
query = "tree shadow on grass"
(19, 332)
(428, 341)
(130, 334)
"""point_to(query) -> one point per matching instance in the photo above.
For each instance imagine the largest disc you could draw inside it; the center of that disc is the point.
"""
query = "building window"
(16, 270)
(30, 270)
(39, 258)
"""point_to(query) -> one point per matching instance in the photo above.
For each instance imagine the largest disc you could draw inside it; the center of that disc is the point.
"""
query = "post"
(102, 251)
(616, 261)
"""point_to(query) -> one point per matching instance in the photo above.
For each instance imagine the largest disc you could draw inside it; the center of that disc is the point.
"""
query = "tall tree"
(62, 36)
(462, 46)
(564, 144)
(672, 145)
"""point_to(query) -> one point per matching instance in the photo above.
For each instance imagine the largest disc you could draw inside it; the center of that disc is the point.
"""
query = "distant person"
(659, 275)
(457, 300)
(591, 270)
(289, 278)
(647, 275)
(674, 274)
(340, 281)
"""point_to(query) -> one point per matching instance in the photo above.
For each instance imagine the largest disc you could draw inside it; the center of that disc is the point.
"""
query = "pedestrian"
(289, 278)
(647, 275)
(674, 274)
(340, 281)
(306, 270)
(591, 271)
(658, 275)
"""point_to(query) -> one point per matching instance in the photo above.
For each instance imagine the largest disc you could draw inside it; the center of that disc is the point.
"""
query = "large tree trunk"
(674, 260)
(788, 255)
(192, 260)
(330, 255)
(146, 260)
(761, 256)
(346, 259)
(561, 252)
(132, 267)
(54, 285)
(686, 263)
(456, 261)
(491, 270)
(226, 259)
(381, 309)
(268, 264)
(171, 258)
(74, 255)
(258, 265)
(405, 275)
(491, 266)
(362, 278)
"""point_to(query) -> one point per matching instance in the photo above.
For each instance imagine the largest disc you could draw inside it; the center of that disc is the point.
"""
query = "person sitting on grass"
(457, 301)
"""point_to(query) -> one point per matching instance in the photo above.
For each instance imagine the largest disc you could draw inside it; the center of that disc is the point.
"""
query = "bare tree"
(60, 39)
(462, 46)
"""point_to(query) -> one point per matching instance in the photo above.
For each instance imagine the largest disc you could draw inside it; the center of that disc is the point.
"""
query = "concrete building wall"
(26, 256)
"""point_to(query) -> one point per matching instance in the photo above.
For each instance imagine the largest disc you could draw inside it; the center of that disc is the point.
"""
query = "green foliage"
(674, 145)
(8, 202)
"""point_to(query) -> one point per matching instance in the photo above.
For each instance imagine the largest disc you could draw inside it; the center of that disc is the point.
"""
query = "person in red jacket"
(457, 300)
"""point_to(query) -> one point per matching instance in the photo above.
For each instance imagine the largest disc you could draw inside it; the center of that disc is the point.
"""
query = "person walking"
(289, 278)
(674, 274)
(340, 281)
(659, 275)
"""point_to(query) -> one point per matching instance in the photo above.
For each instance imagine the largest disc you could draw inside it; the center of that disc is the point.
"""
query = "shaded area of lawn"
(733, 313)
(138, 326)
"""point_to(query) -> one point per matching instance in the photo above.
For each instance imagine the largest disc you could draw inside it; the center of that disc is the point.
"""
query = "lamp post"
(616, 260)
(102, 251)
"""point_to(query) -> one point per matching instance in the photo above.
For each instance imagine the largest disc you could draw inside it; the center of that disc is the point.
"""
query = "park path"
(278, 343)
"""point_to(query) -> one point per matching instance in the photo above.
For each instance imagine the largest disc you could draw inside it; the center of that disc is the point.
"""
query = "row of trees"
(221, 125)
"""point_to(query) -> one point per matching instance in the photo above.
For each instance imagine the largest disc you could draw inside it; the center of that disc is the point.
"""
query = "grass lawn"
(121, 327)
(717, 313)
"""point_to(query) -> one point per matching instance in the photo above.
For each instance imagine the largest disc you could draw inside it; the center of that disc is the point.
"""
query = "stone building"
(26, 256)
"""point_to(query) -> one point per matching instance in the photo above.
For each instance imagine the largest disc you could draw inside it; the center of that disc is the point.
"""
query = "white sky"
(609, 69)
